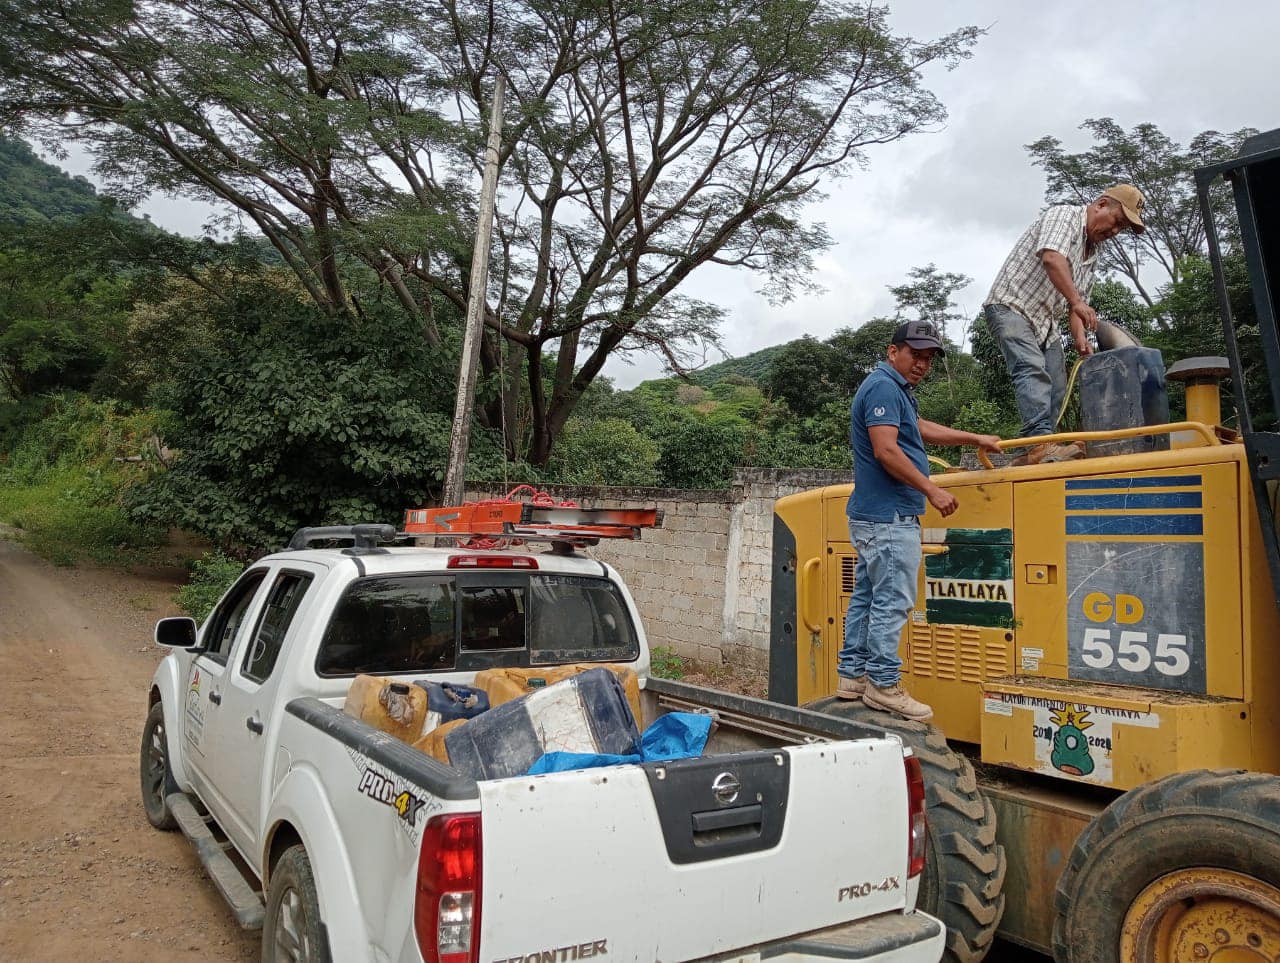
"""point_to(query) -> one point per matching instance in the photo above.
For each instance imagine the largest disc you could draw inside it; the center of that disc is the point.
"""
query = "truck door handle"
(253, 725)
(215, 698)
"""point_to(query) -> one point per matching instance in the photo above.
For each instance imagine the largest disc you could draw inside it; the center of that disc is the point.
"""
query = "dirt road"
(83, 876)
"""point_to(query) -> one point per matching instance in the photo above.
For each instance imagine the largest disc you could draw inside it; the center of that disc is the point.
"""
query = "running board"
(245, 902)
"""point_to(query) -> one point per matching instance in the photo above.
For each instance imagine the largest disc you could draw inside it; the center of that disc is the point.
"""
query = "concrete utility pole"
(460, 438)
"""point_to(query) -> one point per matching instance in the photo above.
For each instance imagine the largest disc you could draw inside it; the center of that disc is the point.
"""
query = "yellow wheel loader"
(1100, 642)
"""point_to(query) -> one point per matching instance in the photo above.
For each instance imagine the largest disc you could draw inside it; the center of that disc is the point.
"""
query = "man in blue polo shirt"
(891, 484)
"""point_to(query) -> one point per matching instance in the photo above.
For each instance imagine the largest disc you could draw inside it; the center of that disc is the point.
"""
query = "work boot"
(894, 698)
(1064, 452)
(851, 688)
(1031, 456)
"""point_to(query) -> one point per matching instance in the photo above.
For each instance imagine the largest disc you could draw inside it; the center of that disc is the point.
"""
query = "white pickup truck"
(795, 836)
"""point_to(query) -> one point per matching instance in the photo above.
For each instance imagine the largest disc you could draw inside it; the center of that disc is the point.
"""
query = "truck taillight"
(446, 913)
(492, 561)
(916, 828)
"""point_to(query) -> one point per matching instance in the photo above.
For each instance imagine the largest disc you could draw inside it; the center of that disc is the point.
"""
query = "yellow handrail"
(1199, 427)
(811, 565)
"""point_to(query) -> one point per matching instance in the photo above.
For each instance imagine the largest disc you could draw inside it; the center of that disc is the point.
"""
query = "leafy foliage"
(34, 192)
(642, 141)
(288, 416)
(608, 451)
(1158, 166)
(62, 481)
(211, 576)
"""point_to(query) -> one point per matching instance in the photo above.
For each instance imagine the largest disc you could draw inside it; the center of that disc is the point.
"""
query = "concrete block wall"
(702, 580)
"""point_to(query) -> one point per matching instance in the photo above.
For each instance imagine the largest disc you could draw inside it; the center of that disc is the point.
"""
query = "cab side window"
(282, 603)
(228, 618)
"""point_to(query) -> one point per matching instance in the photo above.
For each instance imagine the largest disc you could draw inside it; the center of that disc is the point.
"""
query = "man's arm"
(884, 444)
(1082, 316)
(936, 434)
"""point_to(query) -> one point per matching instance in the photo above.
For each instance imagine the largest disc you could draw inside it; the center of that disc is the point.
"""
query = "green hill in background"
(32, 191)
(755, 366)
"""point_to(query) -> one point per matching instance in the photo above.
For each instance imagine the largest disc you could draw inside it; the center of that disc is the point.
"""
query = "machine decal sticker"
(1072, 738)
(1136, 608)
(971, 582)
(1070, 747)
(1135, 614)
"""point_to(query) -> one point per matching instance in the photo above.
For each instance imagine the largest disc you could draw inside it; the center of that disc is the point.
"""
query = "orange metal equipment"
(540, 519)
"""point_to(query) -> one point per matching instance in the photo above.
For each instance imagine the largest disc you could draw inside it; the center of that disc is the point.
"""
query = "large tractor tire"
(964, 868)
(1183, 868)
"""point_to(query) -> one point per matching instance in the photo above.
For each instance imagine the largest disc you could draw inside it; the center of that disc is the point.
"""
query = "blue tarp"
(677, 735)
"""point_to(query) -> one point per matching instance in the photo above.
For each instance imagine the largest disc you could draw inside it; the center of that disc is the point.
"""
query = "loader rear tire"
(1186, 867)
(964, 869)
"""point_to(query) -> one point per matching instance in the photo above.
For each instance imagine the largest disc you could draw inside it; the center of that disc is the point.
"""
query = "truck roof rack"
(494, 523)
(365, 538)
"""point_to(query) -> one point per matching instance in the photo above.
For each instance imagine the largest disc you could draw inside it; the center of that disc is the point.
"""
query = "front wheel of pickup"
(153, 768)
(291, 930)
(963, 880)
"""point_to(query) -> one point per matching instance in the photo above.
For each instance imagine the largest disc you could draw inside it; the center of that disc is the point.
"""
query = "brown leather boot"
(1030, 456)
(894, 698)
(851, 688)
(1069, 452)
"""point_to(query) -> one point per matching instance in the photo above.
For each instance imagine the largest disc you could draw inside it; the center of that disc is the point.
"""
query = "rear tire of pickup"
(963, 879)
(153, 769)
(291, 930)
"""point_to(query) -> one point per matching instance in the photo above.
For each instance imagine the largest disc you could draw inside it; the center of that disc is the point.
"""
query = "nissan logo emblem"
(726, 788)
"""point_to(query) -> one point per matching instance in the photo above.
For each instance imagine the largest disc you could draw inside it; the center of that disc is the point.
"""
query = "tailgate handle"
(720, 819)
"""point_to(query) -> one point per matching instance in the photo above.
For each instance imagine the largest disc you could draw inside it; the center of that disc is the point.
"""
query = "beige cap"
(1132, 201)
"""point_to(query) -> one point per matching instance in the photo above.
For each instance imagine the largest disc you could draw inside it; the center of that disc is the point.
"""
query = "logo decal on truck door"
(382, 789)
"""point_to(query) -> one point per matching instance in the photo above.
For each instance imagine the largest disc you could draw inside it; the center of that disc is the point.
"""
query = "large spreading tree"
(1163, 170)
(642, 139)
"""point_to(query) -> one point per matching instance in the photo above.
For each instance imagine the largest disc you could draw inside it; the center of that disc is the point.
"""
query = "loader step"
(245, 902)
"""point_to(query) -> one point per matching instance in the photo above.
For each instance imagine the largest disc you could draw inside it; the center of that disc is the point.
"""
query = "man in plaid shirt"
(1049, 273)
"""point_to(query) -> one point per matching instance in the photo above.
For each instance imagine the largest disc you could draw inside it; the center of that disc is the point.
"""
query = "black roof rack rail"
(365, 537)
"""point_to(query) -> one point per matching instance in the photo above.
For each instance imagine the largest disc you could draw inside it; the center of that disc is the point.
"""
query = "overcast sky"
(960, 197)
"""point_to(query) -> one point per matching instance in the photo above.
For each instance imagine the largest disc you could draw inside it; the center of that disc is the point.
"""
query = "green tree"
(604, 452)
(1158, 166)
(805, 375)
(643, 140)
(929, 295)
(696, 454)
(287, 416)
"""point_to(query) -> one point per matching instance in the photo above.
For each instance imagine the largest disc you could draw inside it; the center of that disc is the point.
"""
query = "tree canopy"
(644, 138)
(1158, 166)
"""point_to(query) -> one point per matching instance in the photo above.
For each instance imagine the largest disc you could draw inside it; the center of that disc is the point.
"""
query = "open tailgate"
(687, 859)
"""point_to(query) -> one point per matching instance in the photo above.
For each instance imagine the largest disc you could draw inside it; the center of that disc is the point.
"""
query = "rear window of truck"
(398, 624)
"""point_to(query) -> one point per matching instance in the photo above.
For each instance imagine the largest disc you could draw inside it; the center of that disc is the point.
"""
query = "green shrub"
(664, 663)
(605, 452)
(211, 576)
(62, 480)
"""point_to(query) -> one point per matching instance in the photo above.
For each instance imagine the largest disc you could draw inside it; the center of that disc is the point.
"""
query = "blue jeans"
(1039, 372)
(884, 592)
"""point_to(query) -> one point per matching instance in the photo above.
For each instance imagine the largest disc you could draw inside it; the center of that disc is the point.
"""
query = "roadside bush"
(211, 576)
(697, 454)
(63, 480)
(290, 416)
(605, 452)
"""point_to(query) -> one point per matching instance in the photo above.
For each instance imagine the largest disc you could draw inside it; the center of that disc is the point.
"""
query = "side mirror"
(178, 632)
